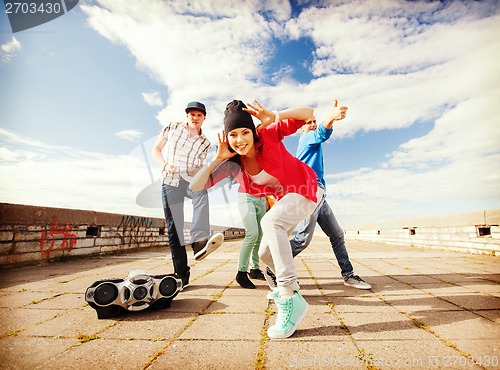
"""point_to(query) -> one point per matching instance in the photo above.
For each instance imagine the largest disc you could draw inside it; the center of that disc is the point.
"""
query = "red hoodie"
(293, 175)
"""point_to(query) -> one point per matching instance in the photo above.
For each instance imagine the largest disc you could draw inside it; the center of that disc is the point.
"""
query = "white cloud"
(9, 50)
(37, 174)
(392, 36)
(453, 166)
(178, 46)
(208, 51)
(399, 69)
(129, 135)
(153, 98)
(468, 131)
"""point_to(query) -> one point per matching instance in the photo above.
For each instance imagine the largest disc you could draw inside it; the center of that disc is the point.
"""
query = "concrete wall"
(472, 232)
(33, 234)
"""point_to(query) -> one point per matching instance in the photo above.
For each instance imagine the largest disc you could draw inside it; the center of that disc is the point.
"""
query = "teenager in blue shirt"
(310, 152)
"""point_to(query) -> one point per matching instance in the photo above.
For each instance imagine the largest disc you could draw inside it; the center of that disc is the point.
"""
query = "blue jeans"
(328, 223)
(173, 207)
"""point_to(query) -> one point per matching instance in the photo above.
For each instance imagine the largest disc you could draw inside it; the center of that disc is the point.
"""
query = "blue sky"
(83, 96)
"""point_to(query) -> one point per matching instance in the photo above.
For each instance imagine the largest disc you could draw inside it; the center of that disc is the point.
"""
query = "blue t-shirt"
(310, 152)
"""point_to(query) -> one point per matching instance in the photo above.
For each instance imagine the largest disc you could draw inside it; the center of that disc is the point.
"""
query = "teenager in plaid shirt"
(181, 149)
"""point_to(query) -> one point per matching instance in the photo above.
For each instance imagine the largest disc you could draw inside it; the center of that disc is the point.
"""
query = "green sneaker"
(273, 294)
(291, 311)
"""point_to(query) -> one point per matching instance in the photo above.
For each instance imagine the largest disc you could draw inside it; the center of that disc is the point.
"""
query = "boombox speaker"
(137, 292)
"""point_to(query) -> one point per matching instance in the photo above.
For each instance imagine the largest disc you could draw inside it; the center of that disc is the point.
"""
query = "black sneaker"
(198, 246)
(244, 281)
(185, 279)
(256, 274)
(202, 248)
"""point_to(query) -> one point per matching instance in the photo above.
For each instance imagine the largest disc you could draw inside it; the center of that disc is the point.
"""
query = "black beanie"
(236, 117)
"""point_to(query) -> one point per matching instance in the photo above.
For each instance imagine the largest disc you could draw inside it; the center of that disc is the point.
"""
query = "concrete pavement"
(427, 309)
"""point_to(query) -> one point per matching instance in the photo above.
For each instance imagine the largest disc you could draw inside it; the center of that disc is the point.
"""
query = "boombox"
(135, 293)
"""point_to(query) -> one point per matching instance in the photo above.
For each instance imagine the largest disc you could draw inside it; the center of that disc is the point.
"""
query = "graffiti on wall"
(58, 238)
(133, 230)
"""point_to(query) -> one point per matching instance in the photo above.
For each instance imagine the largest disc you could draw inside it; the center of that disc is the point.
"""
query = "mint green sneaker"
(291, 311)
(273, 294)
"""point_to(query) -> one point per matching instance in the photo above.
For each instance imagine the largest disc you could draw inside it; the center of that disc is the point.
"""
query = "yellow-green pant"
(252, 209)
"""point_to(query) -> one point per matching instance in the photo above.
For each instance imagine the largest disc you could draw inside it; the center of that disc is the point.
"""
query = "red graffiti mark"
(60, 234)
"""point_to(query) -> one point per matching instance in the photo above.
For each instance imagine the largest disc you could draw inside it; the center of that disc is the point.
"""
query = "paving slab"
(225, 327)
(427, 309)
(208, 354)
(403, 354)
(21, 352)
(284, 354)
(106, 354)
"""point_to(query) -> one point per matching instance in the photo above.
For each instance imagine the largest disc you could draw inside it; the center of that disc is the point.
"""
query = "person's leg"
(173, 207)
(246, 207)
(260, 211)
(202, 243)
(328, 223)
(283, 217)
(277, 224)
(305, 232)
(200, 226)
(330, 226)
(248, 212)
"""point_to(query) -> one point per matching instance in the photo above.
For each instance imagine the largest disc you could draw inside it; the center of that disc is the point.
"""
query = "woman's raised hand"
(262, 114)
(223, 151)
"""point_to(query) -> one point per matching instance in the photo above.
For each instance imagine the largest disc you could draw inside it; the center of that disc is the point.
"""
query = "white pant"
(277, 225)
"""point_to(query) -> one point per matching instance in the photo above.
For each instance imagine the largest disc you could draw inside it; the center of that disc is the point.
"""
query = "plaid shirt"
(182, 151)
